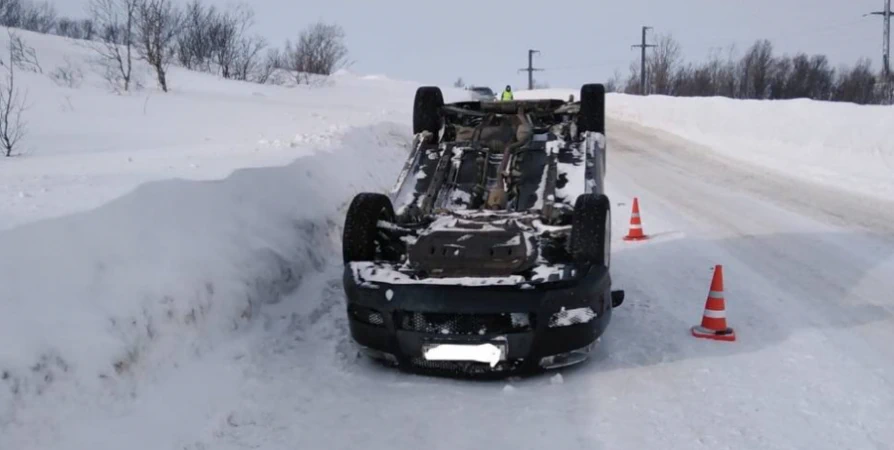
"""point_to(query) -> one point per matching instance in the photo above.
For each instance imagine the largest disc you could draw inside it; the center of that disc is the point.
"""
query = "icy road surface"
(808, 286)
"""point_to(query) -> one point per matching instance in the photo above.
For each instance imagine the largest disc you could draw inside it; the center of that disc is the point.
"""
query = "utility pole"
(531, 69)
(642, 68)
(886, 40)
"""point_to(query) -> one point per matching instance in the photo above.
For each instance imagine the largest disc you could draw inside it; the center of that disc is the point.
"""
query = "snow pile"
(98, 299)
(840, 144)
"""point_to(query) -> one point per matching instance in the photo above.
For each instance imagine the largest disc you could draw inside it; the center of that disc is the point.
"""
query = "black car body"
(482, 93)
(492, 252)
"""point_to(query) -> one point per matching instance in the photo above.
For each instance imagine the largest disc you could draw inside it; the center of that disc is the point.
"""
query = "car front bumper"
(541, 326)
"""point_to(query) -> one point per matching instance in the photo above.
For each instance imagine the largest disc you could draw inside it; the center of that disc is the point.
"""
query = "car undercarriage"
(495, 239)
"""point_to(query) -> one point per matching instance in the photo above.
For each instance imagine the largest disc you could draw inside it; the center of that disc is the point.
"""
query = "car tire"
(590, 241)
(427, 110)
(361, 240)
(592, 108)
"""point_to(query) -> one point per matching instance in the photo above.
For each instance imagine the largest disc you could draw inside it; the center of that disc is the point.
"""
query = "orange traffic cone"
(636, 224)
(714, 319)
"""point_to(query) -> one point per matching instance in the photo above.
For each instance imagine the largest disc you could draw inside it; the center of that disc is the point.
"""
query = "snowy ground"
(207, 312)
(86, 146)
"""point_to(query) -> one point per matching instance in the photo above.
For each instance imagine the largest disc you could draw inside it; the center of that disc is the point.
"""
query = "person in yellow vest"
(507, 94)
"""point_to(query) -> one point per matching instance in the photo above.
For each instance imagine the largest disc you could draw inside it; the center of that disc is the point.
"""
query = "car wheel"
(590, 241)
(427, 110)
(361, 240)
(592, 108)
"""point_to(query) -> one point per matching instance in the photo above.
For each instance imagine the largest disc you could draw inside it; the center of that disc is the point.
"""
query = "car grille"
(465, 324)
(463, 368)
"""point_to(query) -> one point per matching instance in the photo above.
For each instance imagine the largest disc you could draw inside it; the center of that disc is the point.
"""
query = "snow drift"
(94, 300)
(840, 144)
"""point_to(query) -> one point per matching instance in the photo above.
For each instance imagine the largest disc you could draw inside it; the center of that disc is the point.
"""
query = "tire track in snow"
(805, 283)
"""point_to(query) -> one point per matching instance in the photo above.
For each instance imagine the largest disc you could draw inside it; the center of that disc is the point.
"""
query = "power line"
(642, 69)
(531, 69)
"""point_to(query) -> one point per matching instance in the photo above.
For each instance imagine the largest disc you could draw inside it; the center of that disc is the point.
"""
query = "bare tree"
(88, 28)
(857, 85)
(40, 18)
(320, 50)
(115, 47)
(68, 28)
(754, 71)
(158, 23)
(614, 83)
(12, 105)
(247, 58)
(459, 83)
(194, 47)
(663, 63)
(632, 84)
(268, 71)
(11, 12)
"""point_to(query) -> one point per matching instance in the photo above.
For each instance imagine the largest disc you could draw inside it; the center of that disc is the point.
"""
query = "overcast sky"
(486, 41)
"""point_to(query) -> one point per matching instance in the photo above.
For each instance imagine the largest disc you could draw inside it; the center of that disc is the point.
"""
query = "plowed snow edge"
(100, 301)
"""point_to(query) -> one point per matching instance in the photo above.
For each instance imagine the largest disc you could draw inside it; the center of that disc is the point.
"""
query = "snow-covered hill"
(170, 278)
(86, 146)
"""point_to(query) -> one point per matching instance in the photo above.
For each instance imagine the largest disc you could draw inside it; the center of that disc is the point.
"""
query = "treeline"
(758, 74)
(198, 37)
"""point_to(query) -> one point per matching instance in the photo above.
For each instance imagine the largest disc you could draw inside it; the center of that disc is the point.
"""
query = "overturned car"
(492, 252)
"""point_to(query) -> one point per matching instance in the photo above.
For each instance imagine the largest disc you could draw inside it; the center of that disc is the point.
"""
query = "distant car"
(492, 254)
(482, 93)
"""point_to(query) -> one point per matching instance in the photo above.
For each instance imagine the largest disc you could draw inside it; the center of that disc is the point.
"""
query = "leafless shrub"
(857, 85)
(247, 62)
(40, 17)
(158, 23)
(70, 75)
(88, 29)
(219, 42)
(320, 50)
(614, 83)
(68, 28)
(22, 55)
(24, 14)
(11, 13)
(115, 45)
(267, 71)
(12, 105)
(194, 47)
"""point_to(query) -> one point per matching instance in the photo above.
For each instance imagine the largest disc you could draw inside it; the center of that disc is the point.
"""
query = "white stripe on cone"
(711, 314)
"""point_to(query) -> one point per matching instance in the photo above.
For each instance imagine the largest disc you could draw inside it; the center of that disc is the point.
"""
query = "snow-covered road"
(808, 282)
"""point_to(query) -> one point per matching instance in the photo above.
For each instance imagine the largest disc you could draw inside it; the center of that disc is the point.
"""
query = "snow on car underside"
(492, 201)
(476, 248)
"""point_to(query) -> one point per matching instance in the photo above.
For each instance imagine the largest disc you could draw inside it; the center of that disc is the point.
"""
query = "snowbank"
(97, 300)
(840, 144)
